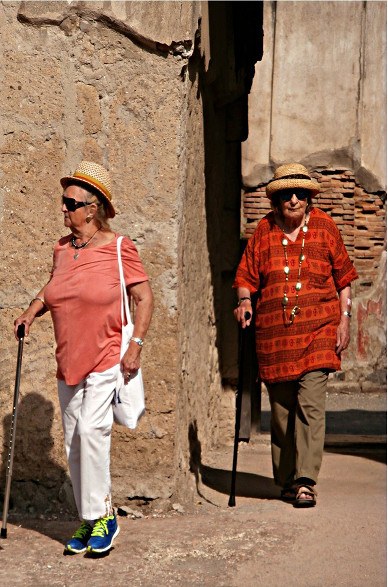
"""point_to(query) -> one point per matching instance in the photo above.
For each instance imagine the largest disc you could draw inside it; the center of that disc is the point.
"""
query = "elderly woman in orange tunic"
(83, 296)
(297, 264)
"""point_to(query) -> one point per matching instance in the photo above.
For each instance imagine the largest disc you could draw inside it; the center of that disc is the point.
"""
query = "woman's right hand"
(27, 319)
(241, 313)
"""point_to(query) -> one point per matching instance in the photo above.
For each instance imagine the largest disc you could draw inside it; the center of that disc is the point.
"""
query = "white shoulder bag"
(128, 402)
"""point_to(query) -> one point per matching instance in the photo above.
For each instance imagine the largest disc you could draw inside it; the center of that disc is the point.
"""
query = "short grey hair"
(102, 217)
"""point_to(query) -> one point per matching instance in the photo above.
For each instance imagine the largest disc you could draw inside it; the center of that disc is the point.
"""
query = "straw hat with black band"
(89, 174)
(291, 175)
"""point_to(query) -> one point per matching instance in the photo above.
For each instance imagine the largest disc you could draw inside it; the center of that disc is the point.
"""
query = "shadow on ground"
(40, 488)
(247, 484)
(353, 432)
(352, 422)
(373, 451)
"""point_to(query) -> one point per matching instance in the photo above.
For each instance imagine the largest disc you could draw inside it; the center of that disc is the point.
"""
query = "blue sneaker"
(79, 541)
(104, 532)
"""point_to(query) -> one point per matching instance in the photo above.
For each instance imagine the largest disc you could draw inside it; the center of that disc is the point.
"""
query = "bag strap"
(125, 313)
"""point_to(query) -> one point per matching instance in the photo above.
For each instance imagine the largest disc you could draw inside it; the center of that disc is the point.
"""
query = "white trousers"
(87, 419)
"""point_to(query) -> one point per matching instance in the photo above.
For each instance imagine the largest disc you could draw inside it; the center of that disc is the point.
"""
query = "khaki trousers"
(87, 419)
(298, 427)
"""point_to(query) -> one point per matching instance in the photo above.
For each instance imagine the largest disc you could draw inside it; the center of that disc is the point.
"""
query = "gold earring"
(89, 218)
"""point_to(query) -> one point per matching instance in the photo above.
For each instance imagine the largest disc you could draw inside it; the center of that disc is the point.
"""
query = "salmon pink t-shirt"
(83, 297)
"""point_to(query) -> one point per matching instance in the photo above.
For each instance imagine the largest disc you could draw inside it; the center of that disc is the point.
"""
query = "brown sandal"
(310, 496)
(288, 494)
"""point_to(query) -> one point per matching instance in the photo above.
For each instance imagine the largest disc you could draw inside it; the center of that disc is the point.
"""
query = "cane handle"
(20, 331)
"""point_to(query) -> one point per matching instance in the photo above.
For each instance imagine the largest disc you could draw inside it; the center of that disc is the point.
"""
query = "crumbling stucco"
(319, 93)
(100, 81)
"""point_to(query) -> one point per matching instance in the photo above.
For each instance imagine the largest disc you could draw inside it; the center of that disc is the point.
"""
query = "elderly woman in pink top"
(83, 297)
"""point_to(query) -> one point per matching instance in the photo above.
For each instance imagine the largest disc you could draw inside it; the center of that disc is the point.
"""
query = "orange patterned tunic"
(286, 352)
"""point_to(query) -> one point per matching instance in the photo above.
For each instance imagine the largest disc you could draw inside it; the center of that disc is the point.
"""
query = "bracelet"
(241, 300)
(38, 298)
(346, 313)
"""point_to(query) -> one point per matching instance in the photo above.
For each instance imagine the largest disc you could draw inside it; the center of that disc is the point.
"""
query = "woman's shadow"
(247, 484)
(40, 487)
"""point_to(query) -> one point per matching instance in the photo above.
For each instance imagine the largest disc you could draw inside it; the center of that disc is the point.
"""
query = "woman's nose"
(294, 199)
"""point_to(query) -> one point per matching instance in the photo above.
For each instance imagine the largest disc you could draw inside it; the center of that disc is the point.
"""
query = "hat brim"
(71, 180)
(285, 184)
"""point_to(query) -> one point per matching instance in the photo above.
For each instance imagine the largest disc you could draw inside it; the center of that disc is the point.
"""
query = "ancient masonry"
(359, 215)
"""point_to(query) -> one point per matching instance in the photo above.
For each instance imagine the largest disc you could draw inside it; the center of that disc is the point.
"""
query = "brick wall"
(360, 216)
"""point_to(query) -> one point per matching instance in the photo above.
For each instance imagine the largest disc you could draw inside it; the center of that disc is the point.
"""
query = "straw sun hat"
(291, 175)
(96, 176)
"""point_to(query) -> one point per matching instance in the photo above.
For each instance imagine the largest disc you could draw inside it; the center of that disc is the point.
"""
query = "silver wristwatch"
(138, 341)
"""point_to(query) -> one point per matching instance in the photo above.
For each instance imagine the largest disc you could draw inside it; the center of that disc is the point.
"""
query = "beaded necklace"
(298, 286)
(82, 245)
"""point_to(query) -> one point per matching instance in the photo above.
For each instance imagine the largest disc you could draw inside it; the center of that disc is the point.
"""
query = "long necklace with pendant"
(298, 286)
(82, 245)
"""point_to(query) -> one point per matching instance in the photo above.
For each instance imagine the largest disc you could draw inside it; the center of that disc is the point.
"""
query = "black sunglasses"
(72, 204)
(286, 195)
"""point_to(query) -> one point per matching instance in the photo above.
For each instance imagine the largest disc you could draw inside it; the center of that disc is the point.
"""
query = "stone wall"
(101, 81)
(221, 73)
(319, 93)
(157, 92)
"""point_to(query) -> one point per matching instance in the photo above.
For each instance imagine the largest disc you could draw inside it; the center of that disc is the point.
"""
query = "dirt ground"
(260, 542)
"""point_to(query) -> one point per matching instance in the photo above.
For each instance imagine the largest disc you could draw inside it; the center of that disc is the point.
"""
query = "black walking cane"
(240, 387)
(20, 335)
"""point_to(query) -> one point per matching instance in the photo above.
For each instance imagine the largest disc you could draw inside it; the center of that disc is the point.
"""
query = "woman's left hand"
(130, 363)
(142, 295)
(343, 336)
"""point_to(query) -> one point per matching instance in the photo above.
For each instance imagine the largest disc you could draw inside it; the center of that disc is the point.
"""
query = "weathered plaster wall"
(199, 385)
(319, 93)
(98, 80)
(319, 97)
(209, 239)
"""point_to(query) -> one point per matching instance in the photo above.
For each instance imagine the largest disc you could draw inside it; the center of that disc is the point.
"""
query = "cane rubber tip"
(231, 502)
(4, 533)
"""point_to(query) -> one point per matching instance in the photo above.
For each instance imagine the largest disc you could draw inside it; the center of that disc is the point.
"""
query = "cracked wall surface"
(102, 81)
(319, 94)
(168, 27)
(161, 99)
